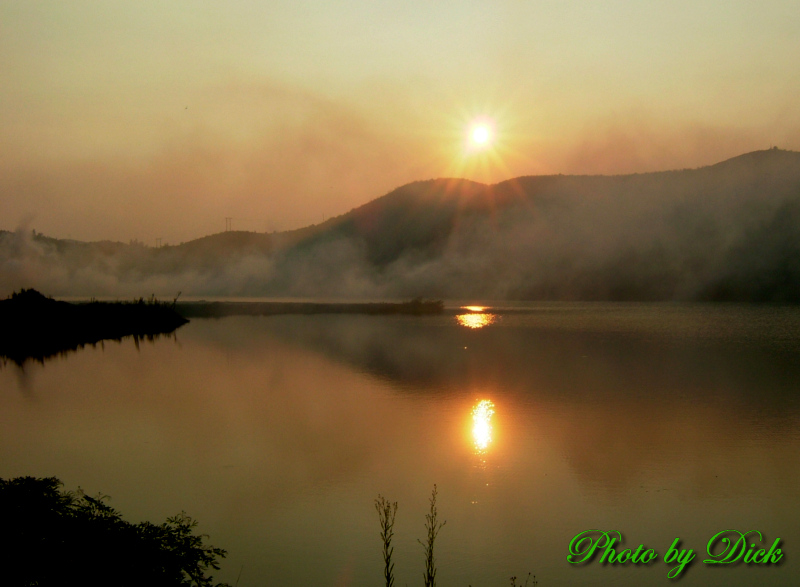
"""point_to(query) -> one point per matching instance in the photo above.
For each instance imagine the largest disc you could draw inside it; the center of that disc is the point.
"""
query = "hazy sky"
(148, 119)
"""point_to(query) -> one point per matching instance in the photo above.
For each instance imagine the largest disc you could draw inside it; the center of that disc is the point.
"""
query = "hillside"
(729, 231)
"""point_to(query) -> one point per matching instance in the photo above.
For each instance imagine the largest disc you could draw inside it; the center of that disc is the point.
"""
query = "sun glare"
(480, 142)
(482, 424)
(476, 320)
(480, 135)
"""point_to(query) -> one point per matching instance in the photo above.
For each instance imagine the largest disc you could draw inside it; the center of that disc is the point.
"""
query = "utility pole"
(228, 221)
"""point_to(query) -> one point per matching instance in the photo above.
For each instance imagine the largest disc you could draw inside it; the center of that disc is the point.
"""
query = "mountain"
(729, 231)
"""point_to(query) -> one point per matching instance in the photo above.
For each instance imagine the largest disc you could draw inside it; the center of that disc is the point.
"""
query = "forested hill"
(729, 231)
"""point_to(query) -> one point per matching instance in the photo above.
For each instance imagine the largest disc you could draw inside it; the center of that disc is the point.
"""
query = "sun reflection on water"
(477, 320)
(482, 414)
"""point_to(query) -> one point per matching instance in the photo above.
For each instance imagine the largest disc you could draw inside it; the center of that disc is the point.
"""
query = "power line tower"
(228, 222)
(158, 243)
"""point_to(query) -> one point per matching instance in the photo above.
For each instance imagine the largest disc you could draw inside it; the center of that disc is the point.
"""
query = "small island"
(37, 327)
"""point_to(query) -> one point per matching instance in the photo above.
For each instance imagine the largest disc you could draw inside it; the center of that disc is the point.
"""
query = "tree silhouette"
(54, 537)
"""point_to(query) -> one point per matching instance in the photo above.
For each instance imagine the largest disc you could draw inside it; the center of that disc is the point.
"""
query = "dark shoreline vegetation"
(37, 327)
(415, 307)
(53, 537)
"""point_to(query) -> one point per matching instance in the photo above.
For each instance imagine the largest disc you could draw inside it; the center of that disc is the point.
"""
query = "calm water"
(278, 433)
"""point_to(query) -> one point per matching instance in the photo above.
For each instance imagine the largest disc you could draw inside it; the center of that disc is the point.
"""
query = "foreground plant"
(432, 526)
(533, 583)
(386, 512)
(50, 537)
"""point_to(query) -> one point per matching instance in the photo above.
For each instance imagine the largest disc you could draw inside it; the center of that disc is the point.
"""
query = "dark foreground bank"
(52, 537)
(37, 327)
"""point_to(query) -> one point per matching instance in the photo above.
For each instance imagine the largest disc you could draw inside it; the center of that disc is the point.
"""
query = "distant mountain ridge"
(729, 231)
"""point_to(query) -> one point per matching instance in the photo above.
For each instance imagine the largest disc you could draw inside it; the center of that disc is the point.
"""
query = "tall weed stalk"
(386, 512)
(432, 526)
(528, 578)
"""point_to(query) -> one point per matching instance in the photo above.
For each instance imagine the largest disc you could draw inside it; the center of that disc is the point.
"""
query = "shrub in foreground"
(53, 537)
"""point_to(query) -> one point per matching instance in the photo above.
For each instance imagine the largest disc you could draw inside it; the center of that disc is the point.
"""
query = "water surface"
(278, 433)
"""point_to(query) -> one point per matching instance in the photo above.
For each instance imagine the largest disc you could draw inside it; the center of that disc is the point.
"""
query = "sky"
(151, 119)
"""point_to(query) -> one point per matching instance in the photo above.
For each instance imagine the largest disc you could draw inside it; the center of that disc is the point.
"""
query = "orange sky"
(122, 120)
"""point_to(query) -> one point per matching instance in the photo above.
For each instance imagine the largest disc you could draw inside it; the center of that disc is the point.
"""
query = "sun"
(479, 145)
(480, 135)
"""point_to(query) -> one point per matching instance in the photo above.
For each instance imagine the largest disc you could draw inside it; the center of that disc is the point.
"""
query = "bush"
(54, 537)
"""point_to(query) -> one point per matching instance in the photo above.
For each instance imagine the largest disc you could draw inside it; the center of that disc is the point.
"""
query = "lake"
(535, 421)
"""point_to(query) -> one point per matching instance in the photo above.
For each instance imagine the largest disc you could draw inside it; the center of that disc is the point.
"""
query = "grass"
(37, 327)
(386, 513)
(529, 578)
(432, 526)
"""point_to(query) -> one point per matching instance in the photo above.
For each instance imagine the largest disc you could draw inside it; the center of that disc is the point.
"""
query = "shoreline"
(417, 307)
(37, 327)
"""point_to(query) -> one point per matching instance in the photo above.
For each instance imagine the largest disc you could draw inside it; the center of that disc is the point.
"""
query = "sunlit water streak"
(482, 425)
(477, 320)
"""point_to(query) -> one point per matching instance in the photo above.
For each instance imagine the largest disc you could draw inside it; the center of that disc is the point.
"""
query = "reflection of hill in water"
(635, 351)
(705, 392)
(697, 400)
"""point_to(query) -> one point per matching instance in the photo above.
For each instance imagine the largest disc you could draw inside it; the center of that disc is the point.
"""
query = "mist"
(725, 232)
